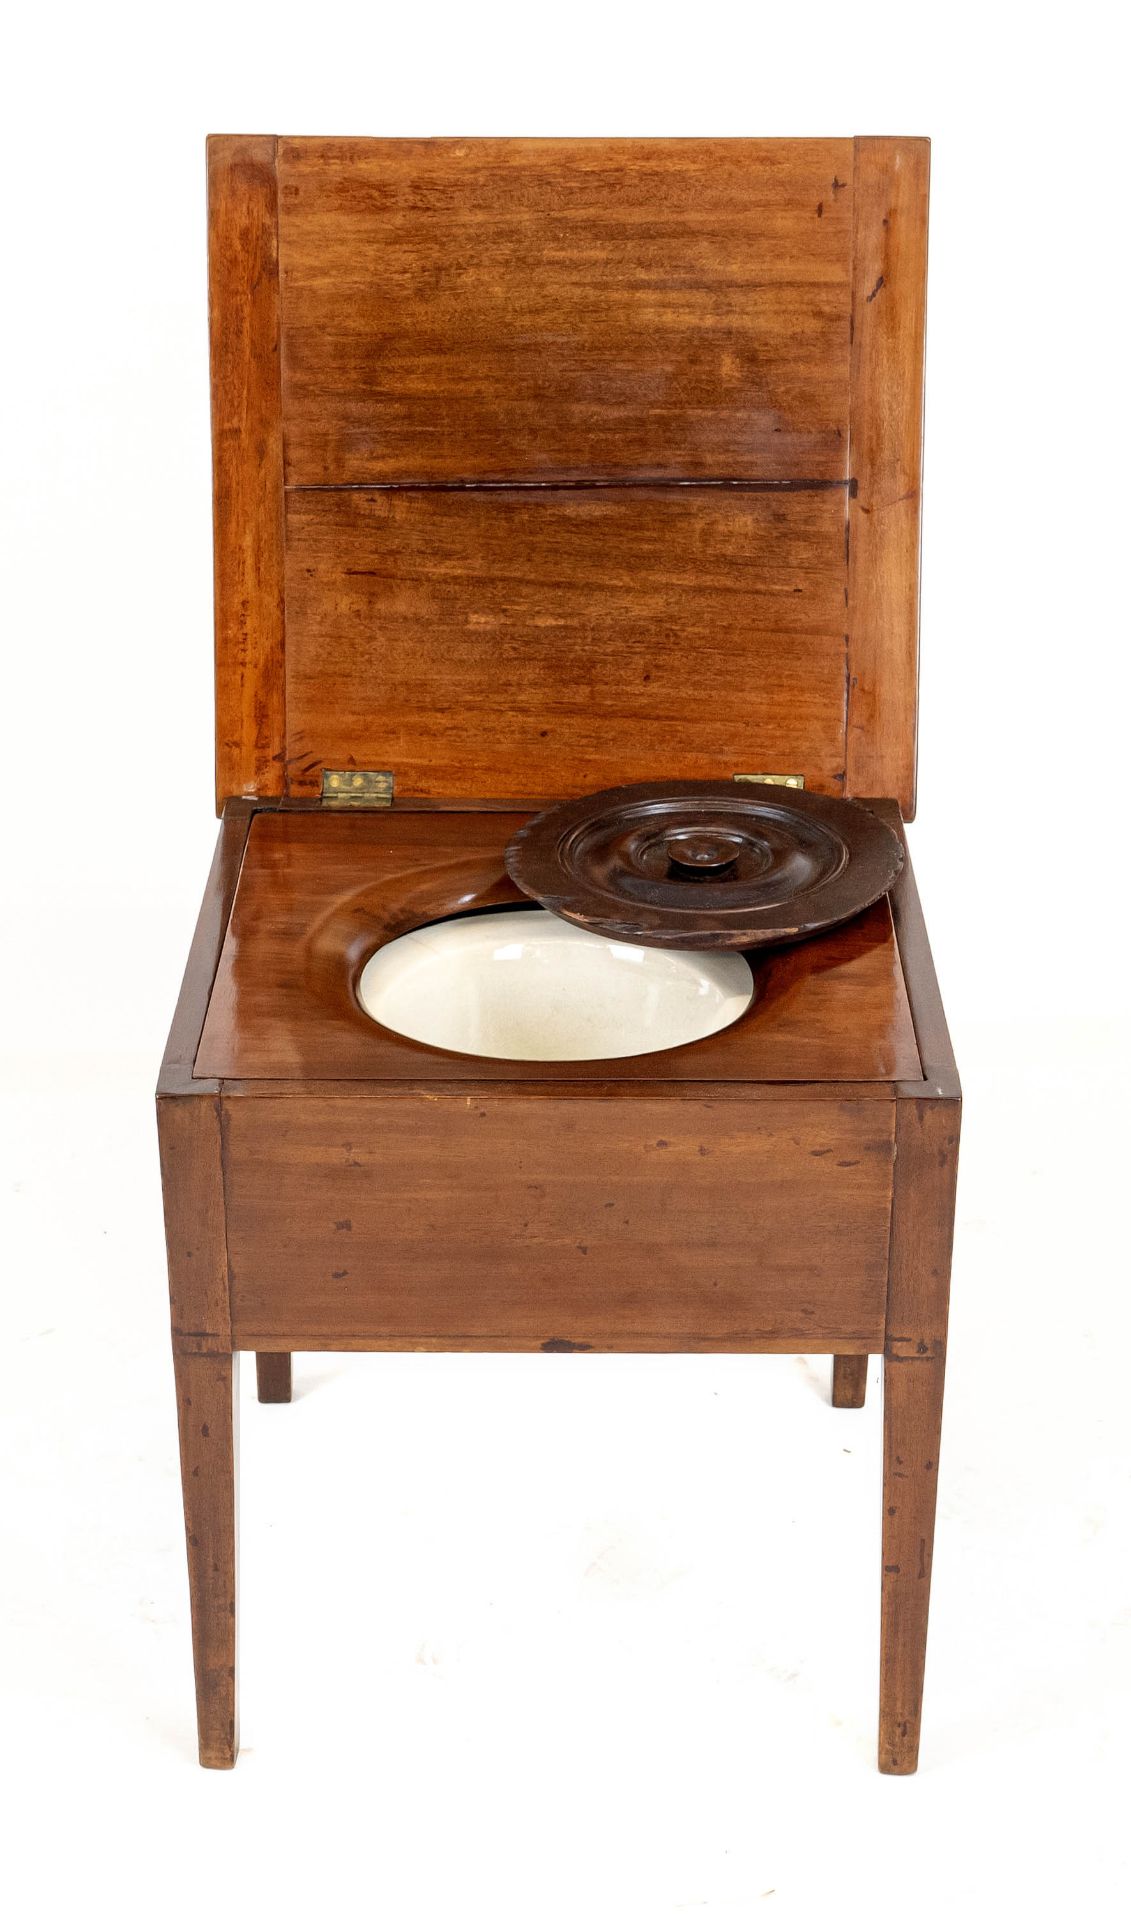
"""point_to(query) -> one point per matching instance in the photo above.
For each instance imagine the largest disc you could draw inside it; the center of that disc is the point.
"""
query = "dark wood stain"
(273, 1378)
(850, 1379)
(756, 865)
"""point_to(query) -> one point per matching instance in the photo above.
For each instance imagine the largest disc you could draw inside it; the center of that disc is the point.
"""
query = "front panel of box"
(508, 1220)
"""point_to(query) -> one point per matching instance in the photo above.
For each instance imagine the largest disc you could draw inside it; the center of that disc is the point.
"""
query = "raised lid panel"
(565, 640)
(564, 309)
(571, 366)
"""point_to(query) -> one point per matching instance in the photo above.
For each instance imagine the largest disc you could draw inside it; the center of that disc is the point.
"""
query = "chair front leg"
(914, 1366)
(208, 1416)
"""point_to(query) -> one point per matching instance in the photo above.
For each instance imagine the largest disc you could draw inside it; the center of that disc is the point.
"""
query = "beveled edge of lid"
(869, 861)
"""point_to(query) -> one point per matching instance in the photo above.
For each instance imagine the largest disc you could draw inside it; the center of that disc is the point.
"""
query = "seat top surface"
(319, 892)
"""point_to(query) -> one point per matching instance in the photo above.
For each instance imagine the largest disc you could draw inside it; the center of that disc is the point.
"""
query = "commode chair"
(551, 476)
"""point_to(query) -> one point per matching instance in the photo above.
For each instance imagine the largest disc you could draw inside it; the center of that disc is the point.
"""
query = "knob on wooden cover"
(705, 863)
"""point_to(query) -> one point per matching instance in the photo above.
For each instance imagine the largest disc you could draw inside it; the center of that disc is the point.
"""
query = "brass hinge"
(773, 779)
(356, 787)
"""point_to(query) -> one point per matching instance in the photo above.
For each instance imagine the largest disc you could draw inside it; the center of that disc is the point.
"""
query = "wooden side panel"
(550, 641)
(494, 1221)
(204, 954)
(189, 1132)
(247, 465)
(932, 1037)
(538, 310)
(889, 308)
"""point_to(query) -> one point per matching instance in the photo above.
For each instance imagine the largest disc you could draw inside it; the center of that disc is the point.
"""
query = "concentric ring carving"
(705, 863)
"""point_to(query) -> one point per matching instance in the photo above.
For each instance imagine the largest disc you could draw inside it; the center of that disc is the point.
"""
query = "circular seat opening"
(523, 985)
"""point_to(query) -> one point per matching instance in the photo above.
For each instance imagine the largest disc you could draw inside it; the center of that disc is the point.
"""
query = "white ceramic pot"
(523, 985)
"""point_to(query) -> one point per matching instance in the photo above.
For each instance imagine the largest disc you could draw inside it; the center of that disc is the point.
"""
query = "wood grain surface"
(932, 1036)
(886, 459)
(650, 326)
(320, 891)
(922, 1228)
(208, 1420)
(176, 1074)
(247, 465)
(554, 642)
(273, 1378)
(541, 466)
(514, 1222)
(188, 1129)
(536, 310)
(743, 1216)
(850, 1379)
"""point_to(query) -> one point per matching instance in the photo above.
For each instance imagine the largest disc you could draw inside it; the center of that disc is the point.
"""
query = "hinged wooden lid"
(549, 465)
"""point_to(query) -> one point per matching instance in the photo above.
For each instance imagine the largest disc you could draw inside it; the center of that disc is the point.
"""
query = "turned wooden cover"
(705, 864)
(549, 465)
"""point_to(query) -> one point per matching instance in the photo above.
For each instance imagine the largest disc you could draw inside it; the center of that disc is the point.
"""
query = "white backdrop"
(592, 1636)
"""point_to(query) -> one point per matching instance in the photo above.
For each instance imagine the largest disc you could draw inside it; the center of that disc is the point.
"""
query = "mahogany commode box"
(541, 468)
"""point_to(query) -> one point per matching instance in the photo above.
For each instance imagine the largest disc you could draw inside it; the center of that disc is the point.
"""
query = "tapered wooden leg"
(273, 1377)
(850, 1379)
(914, 1363)
(207, 1409)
